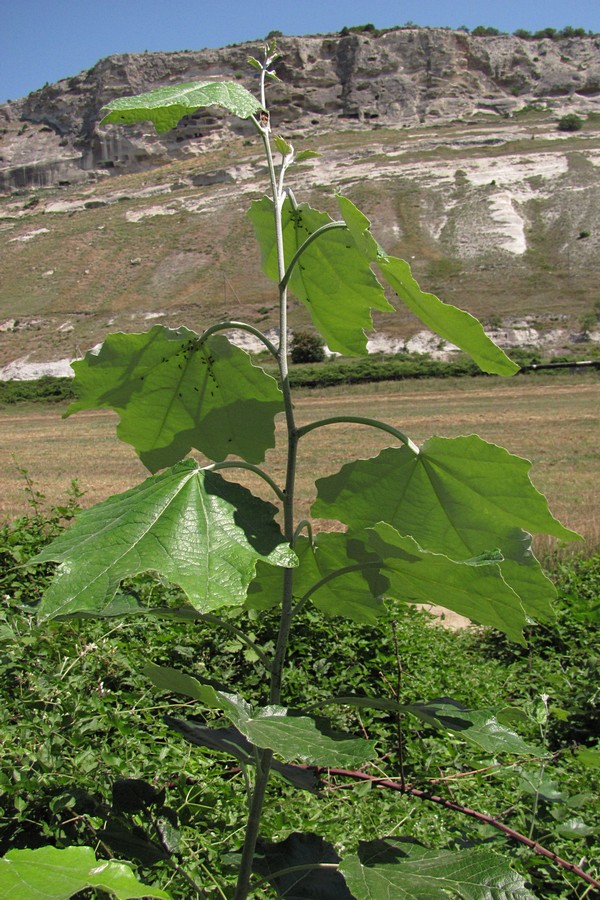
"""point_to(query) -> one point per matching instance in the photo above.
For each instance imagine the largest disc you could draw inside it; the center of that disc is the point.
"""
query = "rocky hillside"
(448, 141)
(398, 78)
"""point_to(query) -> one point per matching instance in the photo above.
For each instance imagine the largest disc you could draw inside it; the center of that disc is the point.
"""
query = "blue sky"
(45, 40)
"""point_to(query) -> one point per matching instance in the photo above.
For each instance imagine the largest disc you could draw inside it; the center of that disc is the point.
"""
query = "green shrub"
(307, 347)
(570, 122)
(485, 31)
(46, 389)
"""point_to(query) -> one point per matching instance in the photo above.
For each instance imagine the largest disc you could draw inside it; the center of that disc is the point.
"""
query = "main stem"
(263, 768)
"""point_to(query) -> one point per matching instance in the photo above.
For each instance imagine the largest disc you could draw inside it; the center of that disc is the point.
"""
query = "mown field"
(553, 420)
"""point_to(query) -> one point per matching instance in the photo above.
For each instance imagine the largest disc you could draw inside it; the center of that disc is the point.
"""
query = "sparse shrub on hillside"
(570, 122)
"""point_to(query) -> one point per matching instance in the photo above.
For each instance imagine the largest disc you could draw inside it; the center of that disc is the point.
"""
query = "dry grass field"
(552, 420)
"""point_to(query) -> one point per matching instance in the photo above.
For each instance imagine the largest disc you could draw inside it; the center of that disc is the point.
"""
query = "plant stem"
(482, 817)
(266, 756)
(253, 824)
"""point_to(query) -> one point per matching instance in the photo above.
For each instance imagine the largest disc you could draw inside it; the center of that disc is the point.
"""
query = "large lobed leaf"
(454, 325)
(203, 533)
(332, 278)
(172, 394)
(165, 106)
(231, 741)
(404, 869)
(48, 873)
(460, 498)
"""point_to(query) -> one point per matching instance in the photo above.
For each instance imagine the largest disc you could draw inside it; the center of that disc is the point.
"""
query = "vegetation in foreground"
(87, 759)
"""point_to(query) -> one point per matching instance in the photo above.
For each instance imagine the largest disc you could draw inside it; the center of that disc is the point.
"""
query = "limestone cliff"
(398, 78)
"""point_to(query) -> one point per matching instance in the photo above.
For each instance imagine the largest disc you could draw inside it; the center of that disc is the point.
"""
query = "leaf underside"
(166, 106)
(333, 279)
(173, 394)
(196, 529)
(454, 325)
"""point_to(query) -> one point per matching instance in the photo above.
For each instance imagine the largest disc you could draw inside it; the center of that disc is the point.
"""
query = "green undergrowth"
(86, 757)
(398, 367)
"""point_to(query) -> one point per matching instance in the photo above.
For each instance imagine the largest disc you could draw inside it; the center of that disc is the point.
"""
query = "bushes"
(570, 122)
(70, 744)
(307, 348)
(47, 389)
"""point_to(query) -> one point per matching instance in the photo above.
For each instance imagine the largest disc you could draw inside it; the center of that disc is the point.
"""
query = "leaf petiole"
(312, 237)
(239, 464)
(357, 567)
(360, 420)
(241, 326)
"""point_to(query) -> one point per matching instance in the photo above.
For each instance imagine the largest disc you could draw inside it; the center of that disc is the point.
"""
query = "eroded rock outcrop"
(397, 78)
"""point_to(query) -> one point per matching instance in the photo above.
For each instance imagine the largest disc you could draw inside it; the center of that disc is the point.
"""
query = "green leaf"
(166, 106)
(332, 277)
(230, 741)
(454, 325)
(172, 394)
(477, 726)
(196, 529)
(48, 873)
(356, 595)
(406, 870)
(166, 678)
(271, 727)
(588, 757)
(421, 576)
(548, 790)
(306, 154)
(282, 145)
(480, 727)
(575, 828)
(298, 738)
(460, 497)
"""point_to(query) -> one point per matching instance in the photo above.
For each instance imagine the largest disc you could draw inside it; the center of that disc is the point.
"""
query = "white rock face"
(23, 370)
(400, 77)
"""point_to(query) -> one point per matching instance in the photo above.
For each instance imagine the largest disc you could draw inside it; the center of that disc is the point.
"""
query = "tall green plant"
(449, 522)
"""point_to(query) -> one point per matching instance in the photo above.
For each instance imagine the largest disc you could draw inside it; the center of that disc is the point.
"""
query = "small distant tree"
(569, 32)
(546, 33)
(307, 347)
(570, 122)
(522, 33)
(485, 31)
